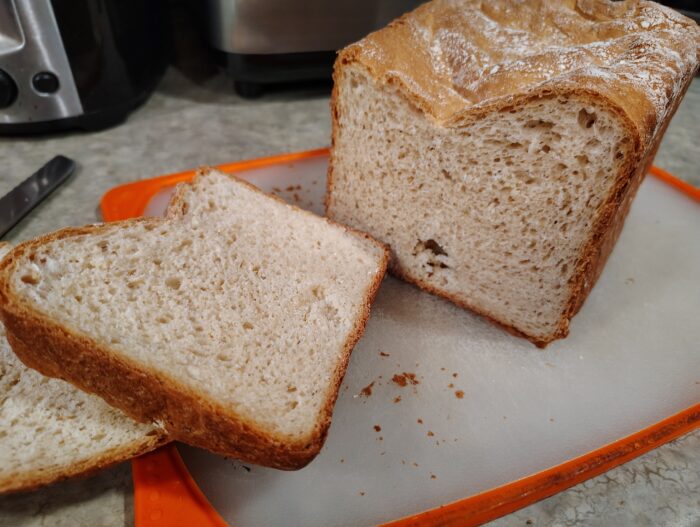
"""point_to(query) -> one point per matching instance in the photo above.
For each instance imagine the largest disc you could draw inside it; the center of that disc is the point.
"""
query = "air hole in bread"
(30, 279)
(586, 119)
(540, 124)
(430, 245)
(317, 291)
(173, 282)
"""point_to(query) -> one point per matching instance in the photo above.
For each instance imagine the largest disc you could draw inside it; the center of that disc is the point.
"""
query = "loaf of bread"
(496, 146)
(51, 431)
(229, 322)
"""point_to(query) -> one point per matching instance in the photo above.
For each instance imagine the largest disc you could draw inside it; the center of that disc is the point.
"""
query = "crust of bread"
(630, 103)
(60, 351)
(33, 479)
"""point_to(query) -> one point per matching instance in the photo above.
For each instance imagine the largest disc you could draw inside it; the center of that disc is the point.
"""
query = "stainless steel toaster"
(271, 41)
(86, 64)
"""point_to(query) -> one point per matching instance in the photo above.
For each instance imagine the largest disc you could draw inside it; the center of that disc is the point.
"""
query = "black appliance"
(263, 42)
(77, 63)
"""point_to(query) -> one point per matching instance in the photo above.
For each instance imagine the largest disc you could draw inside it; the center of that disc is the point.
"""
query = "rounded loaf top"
(456, 58)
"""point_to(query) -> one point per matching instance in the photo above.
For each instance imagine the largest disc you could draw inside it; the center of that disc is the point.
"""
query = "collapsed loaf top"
(452, 58)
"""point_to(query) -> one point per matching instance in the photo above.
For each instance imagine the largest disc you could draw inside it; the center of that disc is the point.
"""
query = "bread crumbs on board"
(367, 390)
(404, 379)
(459, 394)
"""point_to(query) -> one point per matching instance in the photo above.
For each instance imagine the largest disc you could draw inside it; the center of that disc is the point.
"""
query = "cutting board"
(438, 405)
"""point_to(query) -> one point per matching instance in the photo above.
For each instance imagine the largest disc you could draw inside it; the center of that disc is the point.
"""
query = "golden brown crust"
(634, 58)
(457, 59)
(26, 481)
(32, 479)
(150, 396)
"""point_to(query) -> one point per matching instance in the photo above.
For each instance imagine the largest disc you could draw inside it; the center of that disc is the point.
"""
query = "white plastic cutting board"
(632, 359)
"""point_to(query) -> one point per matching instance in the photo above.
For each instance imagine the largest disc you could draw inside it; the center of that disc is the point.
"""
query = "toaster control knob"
(8, 90)
(45, 82)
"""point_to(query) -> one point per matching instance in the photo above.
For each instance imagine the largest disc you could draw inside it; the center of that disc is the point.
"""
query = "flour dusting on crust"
(466, 54)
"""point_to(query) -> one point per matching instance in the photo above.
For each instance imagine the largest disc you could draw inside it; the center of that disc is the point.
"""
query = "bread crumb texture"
(48, 427)
(236, 296)
(486, 142)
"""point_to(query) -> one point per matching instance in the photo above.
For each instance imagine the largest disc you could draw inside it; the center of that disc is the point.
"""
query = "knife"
(17, 203)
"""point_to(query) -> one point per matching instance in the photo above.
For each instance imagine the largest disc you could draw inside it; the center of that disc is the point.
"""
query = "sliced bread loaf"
(50, 430)
(496, 146)
(230, 321)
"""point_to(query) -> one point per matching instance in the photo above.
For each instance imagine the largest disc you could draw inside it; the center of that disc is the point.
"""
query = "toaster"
(272, 41)
(77, 63)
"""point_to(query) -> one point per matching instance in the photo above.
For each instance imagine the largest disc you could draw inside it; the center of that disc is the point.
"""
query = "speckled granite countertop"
(187, 124)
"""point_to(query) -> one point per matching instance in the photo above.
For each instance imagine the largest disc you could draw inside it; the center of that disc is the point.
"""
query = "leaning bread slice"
(496, 146)
(50, 430)
(230, 321)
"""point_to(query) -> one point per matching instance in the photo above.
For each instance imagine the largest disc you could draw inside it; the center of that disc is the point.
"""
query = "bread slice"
(230, 322)
(496, 146)
(50, 430)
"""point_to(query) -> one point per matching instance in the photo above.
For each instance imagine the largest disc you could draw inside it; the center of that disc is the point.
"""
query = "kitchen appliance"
(272, 41)
(77, 63)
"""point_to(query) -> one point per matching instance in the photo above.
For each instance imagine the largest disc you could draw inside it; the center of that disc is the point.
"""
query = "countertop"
(189, 123)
